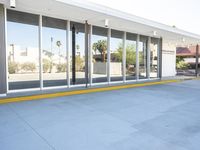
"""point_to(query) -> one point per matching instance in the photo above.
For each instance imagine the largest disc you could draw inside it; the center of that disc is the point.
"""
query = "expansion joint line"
(34, 130)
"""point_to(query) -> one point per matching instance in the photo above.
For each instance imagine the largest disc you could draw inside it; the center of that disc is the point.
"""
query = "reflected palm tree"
(58, 43)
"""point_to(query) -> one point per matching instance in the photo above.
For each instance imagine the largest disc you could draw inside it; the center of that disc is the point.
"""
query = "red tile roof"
(185, 51)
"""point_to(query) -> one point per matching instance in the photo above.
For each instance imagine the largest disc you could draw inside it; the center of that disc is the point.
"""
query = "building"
(65, 44)
(188, 54)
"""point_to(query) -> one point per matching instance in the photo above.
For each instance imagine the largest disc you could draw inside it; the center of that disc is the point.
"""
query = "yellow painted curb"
(84, 91)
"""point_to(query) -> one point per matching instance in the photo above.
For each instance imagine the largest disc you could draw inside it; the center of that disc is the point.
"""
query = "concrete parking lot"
(159, 117)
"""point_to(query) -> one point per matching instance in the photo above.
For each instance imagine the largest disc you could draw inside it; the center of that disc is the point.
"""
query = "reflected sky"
(27, 36)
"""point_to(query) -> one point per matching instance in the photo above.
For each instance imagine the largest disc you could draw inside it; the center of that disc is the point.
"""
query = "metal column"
(148, 57)
(108, 55)
(68, 54)
(124, 57)
(160, 58)
(197, 60)
(137, 57)
(73, 55)
(90, 56)
(3, 70)
(86, 53)
(40, 52)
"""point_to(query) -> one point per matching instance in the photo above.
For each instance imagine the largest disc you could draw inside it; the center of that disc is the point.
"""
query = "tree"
(181, 64)
(179, 58)
(101, 46)
(59, 44)
(77, 47)
(94, 47)
(130, 54)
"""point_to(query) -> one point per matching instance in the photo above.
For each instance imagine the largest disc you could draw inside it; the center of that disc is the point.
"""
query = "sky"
(184, 14)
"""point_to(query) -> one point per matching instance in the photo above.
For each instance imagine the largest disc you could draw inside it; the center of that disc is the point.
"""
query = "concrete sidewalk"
(159, 117)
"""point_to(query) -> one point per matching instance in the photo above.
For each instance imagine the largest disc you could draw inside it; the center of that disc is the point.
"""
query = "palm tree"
(58, 43)
(77, 47)
(101, 46)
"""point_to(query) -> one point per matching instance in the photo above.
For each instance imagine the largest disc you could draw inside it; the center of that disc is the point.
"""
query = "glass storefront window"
(99, 54)
(23, 50)
(23, 53)
(116, 55)
(54, 52)
(154, 46)
(143, 57)
(131, 56)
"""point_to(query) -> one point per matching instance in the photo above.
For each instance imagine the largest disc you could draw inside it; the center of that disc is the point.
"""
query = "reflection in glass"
(79, 48)
(99, 52)
(131, 56)
(116, 52)
(54, 52)
(143, 57)
(23, 51)
(154, 58)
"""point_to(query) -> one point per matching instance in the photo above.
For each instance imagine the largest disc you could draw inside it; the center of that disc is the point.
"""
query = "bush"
(182, 65)
(28, 66)
(179, 58)
(47, 65)
(13, 67)
(61, 67)
(79, 63)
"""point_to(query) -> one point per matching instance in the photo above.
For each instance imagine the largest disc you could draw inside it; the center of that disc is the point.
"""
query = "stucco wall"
(168, 59)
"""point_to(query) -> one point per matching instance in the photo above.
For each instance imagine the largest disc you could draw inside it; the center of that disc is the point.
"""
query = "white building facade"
(64, 44)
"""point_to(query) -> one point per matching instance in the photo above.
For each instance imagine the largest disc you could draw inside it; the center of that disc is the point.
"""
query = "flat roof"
(95, 14)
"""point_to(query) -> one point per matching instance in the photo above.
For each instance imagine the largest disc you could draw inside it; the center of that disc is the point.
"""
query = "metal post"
(137, 57)
(73, 55)
(124, 58)
(3, 58)
(68, 56)
(6, 48)
(108, 55)
(86, 54)
(90, 56)
(160, 58)
(40, 52)
(197, 60)
(148, 57)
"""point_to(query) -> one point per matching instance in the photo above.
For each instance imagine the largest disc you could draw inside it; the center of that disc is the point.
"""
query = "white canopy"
(81, 11)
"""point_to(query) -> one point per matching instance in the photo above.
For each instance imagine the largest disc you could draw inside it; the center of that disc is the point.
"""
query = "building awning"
(81, 11)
